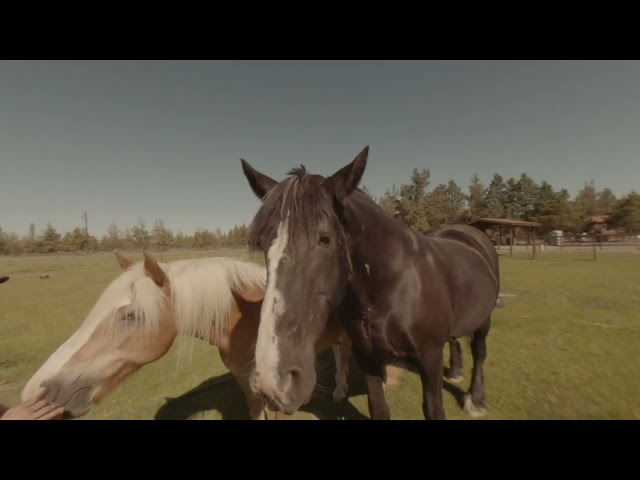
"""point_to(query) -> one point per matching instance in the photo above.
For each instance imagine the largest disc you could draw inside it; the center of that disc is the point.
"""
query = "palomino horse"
(332, 252)
(138, 316)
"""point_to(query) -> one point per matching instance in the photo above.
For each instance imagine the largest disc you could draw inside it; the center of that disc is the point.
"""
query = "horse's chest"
(368, 334)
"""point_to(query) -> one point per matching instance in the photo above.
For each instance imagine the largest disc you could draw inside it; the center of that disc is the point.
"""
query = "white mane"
(201, 292)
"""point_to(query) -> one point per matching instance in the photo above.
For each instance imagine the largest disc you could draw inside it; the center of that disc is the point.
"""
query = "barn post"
(511, 241)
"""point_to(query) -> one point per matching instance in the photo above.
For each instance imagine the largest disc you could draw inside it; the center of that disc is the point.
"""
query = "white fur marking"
(472, 410)
(366, 265)
(267, 353)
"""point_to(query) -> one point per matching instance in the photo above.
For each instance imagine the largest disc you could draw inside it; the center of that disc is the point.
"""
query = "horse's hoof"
(456, 379)
(339, 395)
(473, 410)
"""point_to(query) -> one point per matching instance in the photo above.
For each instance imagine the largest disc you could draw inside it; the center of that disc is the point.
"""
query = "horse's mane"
(297, 199)
(201, 289)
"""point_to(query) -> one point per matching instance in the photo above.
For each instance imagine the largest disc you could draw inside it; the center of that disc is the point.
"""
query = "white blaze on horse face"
(267, 353)
(56, 362)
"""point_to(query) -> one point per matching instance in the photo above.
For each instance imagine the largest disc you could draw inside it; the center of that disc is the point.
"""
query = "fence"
(598, 242)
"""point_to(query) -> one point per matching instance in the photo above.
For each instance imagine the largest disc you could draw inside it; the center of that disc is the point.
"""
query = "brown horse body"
(140, 314)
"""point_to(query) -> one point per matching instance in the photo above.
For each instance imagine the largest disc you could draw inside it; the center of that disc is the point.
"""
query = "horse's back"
(470, 237)
(471, 264)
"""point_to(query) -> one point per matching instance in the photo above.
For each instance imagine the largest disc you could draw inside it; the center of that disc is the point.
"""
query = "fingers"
(53, 413)
(40, 404)
(44, 410)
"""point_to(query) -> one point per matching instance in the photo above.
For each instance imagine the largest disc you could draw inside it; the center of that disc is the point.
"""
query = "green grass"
(565, 346)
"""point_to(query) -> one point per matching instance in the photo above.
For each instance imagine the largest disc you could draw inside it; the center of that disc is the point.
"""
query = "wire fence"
(595, 242)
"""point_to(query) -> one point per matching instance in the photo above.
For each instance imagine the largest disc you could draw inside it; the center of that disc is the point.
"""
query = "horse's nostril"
(290, 379)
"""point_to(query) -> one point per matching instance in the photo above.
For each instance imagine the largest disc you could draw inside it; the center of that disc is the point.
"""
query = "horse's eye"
(130, 317)
(325, 239)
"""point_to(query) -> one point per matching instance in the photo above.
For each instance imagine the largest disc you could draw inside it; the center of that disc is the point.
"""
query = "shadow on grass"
(455, 391)
(223, 394)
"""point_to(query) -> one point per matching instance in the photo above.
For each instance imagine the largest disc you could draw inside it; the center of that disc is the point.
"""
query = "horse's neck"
(373, 242)
(370, 228)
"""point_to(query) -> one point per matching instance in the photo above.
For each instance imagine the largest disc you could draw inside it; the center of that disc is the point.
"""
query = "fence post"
(534, 243)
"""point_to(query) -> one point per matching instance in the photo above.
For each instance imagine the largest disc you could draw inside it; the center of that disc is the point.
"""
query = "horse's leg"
(431, 360)
(455, 358)
(254, 402)
(378, 408)
(474, 400)
(341, 354)
(373, 372)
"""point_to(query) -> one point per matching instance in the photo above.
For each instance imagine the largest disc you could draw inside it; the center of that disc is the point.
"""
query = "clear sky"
(123, 140)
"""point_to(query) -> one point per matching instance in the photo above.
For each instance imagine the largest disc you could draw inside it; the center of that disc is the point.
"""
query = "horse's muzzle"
(75, 397)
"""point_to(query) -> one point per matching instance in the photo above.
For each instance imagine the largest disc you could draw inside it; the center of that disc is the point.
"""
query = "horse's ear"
(123, 261)
(260, 183)
(347, 179)
(153, 270)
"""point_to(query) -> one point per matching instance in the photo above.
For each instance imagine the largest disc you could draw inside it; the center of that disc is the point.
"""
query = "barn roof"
(501, 222)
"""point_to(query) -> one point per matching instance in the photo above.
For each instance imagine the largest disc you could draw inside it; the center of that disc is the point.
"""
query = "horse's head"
(298, 228)
(132, 324)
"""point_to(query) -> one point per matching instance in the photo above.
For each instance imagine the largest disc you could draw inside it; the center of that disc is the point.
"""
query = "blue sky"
(124, 140)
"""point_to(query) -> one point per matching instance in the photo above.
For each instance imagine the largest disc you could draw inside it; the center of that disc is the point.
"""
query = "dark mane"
(301, 197)
(297, 171)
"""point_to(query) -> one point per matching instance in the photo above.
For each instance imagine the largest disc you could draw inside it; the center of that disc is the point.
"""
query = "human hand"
(34, 410)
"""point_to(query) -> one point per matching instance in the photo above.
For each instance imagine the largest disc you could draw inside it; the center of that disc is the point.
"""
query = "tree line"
(422, 207)
(139, 237)
(416, 203)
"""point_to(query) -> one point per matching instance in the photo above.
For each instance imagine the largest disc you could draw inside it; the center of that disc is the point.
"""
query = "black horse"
(330, 250)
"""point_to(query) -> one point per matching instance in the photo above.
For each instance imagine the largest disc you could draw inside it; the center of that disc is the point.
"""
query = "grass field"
(566, 345)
